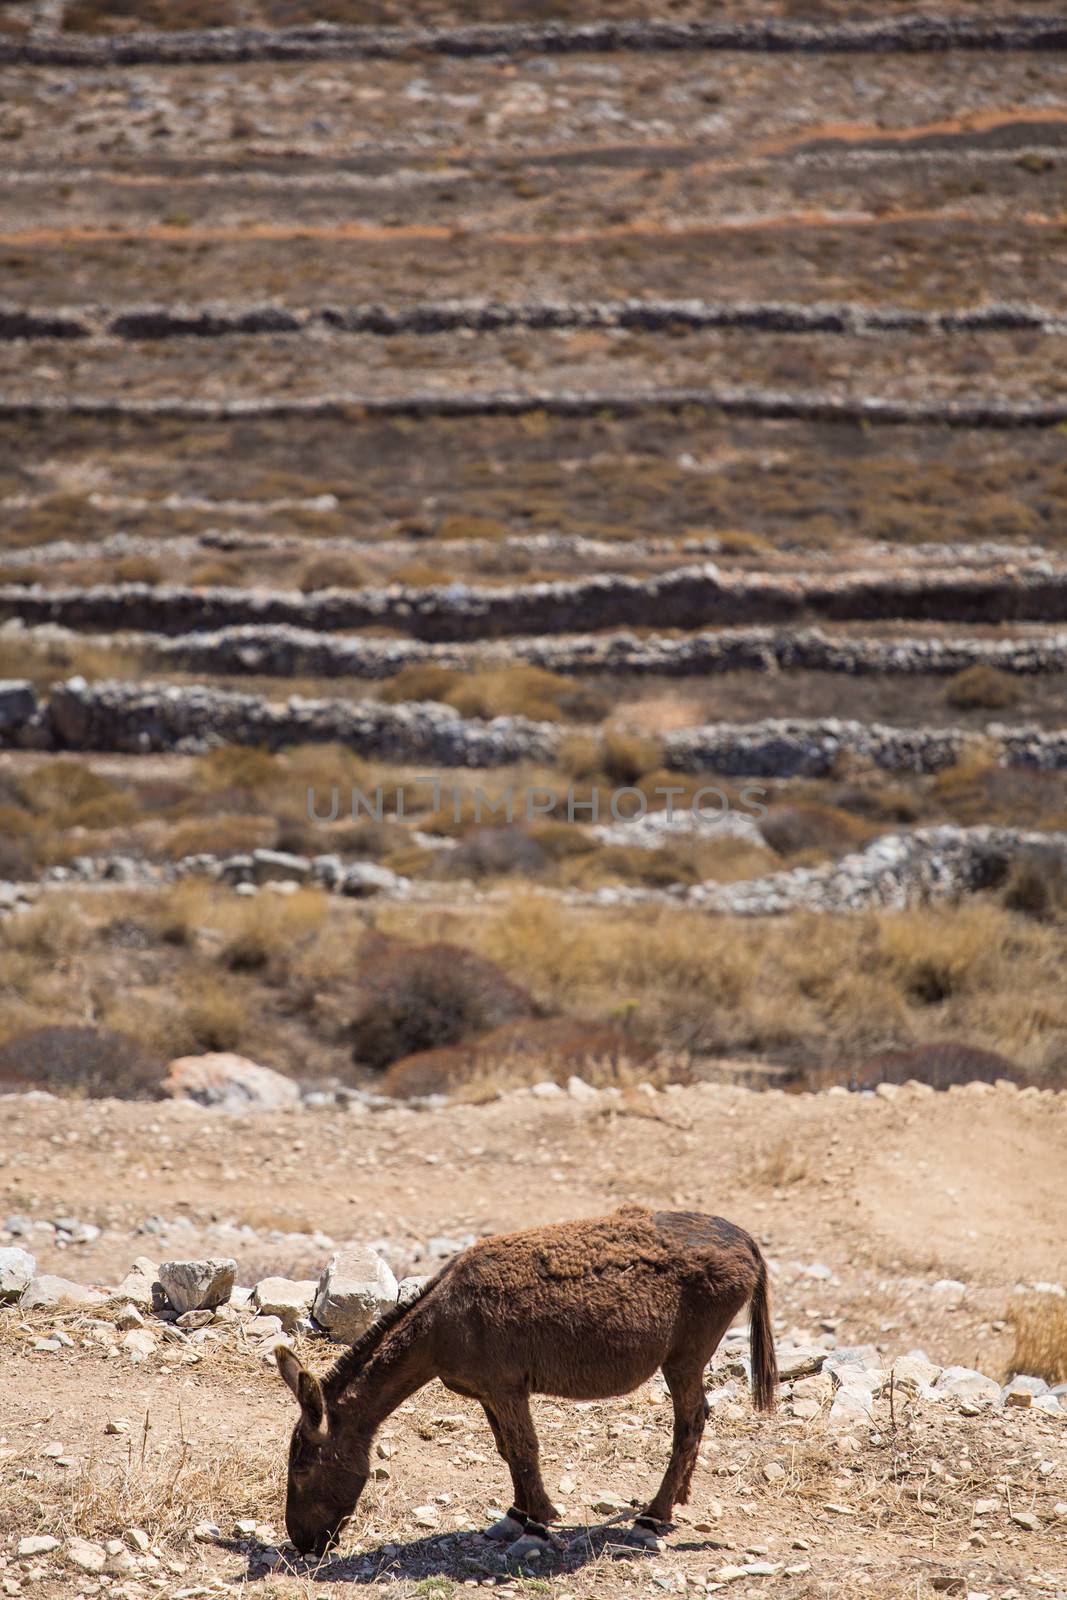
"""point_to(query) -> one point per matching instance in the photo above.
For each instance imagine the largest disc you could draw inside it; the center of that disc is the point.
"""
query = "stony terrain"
(533, 619)
(939, 1481)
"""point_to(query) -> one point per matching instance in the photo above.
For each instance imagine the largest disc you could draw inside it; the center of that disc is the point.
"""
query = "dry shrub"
(137, 569)
(1040, 1324)
(52, 930)
(941, 1065)
(580, 756)
(417, 575)
(937, 953)
(982, 688)
(464, 527)
(524, 691)
(333, 571)
(419, 997)
(214, 1017)
(238, 767)
(524, 1052)
(628, 756)
(779, 1166)
(217, 836)
(828, 830)
(420, 681)
(16, 857)
(96, 1062)
(494, 852)
(268, 931)
(1037, 886)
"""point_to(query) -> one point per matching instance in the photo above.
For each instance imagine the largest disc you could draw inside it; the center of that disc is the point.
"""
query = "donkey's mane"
(348, 1366)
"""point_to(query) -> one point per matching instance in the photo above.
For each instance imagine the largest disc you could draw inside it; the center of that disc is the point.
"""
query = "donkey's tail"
(761, 1344)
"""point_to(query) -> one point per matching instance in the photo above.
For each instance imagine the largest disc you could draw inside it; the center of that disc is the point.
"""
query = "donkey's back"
(592, 1308)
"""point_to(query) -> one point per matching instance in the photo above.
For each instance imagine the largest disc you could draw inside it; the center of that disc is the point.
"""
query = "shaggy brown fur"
(584, 1310)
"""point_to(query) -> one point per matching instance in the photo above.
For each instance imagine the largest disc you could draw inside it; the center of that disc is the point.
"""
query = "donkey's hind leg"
(685, 1380)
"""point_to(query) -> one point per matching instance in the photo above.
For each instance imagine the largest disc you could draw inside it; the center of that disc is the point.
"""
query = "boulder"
(963, 1383)
(229, 1082)
(913, 1371)
(18, 703)
(799, 1361)
(197, 1285)
(49, 1293)
(17, 1269)
(286, 1298)
(136, 1288)
(356, 1286)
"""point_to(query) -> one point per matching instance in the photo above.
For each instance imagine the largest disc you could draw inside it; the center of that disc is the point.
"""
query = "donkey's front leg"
(532, 1507)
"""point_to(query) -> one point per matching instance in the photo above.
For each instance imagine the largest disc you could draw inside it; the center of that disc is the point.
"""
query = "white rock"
(138, 1344)
(197, 1285)
(773, 1471)
(578, 1089)
(851, 1405)
(286, 1298)
(950, 1289)
(800, 1361)
(230, 1082)
(428, 1516)
(914, 1371)
(86, 1555)
(129, 1317)
(17, 1270)
(50, 1293)
(136, 1286)
(37, 1544)
(963, 1383)
(356, 1286)
(1026, 1519)
(547, 1090)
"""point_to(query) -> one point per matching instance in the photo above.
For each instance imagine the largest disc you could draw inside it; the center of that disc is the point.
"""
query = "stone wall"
(697, 596)
(129, 718)
(325, 43)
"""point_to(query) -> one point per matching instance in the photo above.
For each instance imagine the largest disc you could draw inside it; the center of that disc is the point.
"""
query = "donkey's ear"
(305, 1387)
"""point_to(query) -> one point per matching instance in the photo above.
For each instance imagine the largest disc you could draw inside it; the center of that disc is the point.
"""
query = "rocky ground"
(610, 402)
(941, 1481)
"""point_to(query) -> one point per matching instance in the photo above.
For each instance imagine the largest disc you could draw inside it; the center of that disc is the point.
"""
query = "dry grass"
(982, 688)
(163, 1488)
(1040, 1324)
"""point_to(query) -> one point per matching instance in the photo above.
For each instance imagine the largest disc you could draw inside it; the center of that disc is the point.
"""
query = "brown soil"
(890, 1196)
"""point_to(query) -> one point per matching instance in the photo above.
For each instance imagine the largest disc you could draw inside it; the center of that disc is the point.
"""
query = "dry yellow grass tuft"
(1040, 1324)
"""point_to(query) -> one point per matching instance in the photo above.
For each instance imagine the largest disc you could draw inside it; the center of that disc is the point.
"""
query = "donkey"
(584, 1310)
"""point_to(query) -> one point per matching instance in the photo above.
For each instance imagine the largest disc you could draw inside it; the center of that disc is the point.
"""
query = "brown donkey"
(584, 1310)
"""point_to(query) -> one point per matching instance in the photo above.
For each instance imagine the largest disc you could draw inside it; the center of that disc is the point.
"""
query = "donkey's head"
(323, 1486)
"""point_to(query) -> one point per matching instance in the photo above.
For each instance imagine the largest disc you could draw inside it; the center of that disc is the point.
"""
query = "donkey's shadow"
(470, 1555)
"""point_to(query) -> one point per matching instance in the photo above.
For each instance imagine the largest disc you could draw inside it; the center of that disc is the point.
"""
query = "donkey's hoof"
(645, 1535)
(530, 1547)
(505, 1531)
